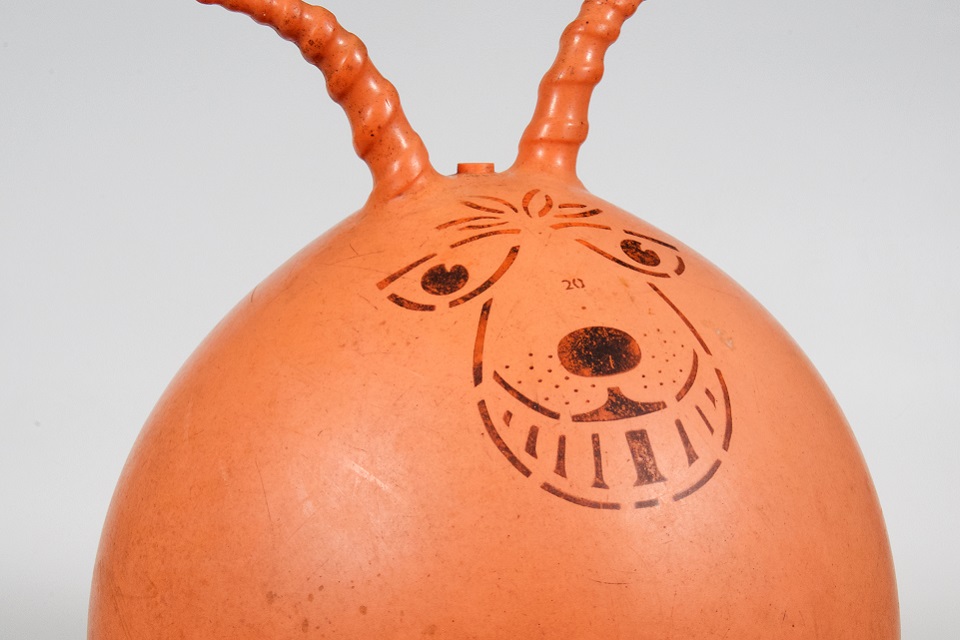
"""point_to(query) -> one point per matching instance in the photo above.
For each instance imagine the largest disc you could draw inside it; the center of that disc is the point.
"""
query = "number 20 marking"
(575, 283)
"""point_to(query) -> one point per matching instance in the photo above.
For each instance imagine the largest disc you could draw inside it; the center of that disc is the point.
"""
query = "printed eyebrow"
(497, 200)
(583, 214)
(484, 235)
(480, 207)
(399, 274)
(564, 225)
(462, 220)
(487, 225)
(571, 205)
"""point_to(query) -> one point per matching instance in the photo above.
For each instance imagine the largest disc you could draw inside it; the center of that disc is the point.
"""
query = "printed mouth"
(617, 407)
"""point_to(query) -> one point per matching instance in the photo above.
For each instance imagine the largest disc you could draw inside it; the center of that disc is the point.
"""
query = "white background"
(157, 160)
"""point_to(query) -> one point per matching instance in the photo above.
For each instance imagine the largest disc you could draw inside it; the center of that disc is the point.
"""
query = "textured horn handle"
(559, 125)
(382, 136)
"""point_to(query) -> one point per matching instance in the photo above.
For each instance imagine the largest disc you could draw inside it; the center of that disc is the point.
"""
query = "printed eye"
(636, 252)
(644, 254)
(440, 281)
(449, 283)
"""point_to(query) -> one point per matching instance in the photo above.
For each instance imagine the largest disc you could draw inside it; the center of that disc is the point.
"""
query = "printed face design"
(613, 399)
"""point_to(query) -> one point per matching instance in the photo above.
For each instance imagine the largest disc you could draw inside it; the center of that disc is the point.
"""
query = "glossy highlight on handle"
(382, 135)
(559, 126)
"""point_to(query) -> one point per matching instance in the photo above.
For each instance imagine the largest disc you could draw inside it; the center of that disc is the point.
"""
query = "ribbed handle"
(382, 136)
(559, 126)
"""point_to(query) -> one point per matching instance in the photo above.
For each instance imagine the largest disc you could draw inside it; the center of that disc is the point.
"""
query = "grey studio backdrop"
(157, 160)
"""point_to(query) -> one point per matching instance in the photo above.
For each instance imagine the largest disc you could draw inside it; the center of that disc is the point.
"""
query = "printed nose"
(592, 352)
